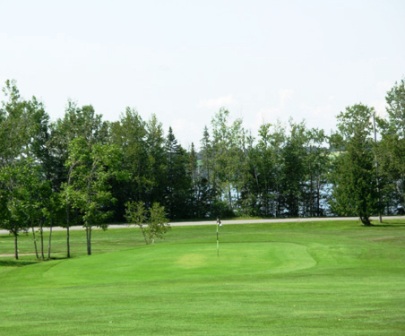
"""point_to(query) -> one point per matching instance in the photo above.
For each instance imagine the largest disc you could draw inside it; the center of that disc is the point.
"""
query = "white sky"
(182, 59)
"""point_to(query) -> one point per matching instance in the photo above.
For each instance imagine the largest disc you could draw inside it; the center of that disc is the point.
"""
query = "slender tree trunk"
(311, 194)
(41, 235)
(67, 231)
(88, 237)
(365, 220)
(15, 245)
(68, 241)
(229, 197)
(35, 241)
(144, 234)
(49, 241)
(318, 197)
(269, 200)
(68, 215)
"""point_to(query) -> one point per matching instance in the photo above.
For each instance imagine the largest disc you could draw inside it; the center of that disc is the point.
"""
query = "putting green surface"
(284, 279)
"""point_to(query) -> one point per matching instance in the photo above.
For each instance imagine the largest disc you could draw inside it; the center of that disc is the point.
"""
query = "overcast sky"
(264, 60)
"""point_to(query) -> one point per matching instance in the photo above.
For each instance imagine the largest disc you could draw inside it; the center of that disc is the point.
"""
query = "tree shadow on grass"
(58, 258)
(388, 224)
(16, 263)
(20, 263)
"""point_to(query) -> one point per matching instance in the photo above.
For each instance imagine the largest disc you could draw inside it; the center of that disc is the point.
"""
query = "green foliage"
(156, 161)
(178, 187)
(395, 99)
(158, 223)
(87, 190)
(136, 213)
(152, 222)
(94, 167)
(25, 198)
(228, 146)
(293, 169)
(391, 149)
(355, 191)
(266, 169)
(129, 134)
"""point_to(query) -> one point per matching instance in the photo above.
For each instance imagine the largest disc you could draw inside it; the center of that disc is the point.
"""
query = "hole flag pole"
(218, 225)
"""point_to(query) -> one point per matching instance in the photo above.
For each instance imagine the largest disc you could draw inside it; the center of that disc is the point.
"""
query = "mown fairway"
(332, 278)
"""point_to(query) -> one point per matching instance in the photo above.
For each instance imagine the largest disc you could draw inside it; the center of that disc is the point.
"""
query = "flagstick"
(218, 224)
(217, 240)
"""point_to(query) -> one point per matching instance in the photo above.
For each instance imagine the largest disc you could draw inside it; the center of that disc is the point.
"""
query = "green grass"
(331, 278)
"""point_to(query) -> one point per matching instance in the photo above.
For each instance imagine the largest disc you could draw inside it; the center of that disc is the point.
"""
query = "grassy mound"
(274, 279)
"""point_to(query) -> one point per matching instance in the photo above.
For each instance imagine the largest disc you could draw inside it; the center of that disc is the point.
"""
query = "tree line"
(83, 170)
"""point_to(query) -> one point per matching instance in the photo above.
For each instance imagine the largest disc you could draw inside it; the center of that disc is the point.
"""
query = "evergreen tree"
(355, 191)
(178, 179)
(156, 162)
